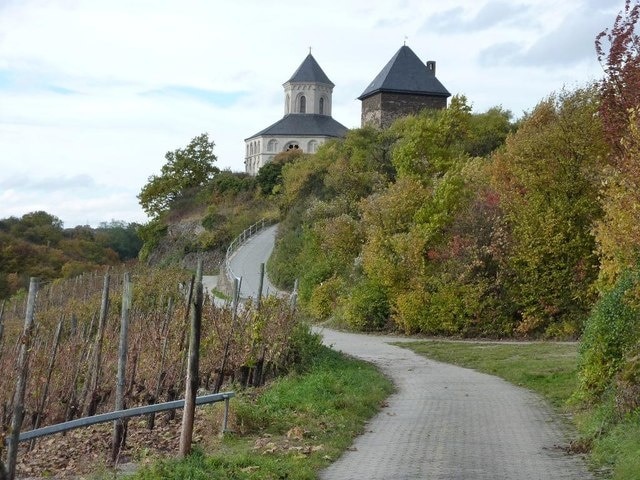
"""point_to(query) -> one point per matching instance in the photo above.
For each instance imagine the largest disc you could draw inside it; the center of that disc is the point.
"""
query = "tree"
(618, 52)
(617, 233)
(488, 131)
(432, 141)
(184, 170)
(269, 176)
(122, 237)
(546, 179)
(38, 227)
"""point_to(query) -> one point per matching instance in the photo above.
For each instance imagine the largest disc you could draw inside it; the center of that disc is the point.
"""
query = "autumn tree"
(37, 227)
(618, 50)
(185, 169)
(618, 233)
(546, 179)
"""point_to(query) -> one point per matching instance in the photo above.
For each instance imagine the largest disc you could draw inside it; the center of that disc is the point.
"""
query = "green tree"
(185, 169)
(269, 177)
(38, 227)
(430, 142)
(546, 178)
(488, 131)
(121, 237)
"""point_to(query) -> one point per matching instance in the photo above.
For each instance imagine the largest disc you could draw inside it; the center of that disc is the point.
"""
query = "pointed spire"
(310, 72)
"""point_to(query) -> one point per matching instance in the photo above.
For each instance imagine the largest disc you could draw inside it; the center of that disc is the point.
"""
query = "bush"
(410, 311)
(366, 307)
(324, 298)
(213, 219)
(612, 331)
(151, 234)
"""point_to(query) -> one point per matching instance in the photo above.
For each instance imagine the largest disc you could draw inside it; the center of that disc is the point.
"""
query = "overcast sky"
(93, 93)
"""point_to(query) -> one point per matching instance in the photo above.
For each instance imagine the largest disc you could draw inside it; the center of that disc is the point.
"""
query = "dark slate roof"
(311, 124)
(310, 71)
(405, 73)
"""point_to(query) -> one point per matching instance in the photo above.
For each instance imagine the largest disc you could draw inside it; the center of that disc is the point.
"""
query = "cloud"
(48, 184)
(569, 43)
(491, 14)
(76, 199)
(221, 99)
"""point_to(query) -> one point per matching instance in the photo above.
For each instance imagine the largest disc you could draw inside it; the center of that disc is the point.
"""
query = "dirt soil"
(84, 451)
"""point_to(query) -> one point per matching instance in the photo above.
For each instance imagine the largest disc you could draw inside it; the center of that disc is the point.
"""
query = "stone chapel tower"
(403, 87)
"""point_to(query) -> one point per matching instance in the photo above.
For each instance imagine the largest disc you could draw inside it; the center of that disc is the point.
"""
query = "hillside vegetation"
(462, 224)
(197, 209)
(37, 245)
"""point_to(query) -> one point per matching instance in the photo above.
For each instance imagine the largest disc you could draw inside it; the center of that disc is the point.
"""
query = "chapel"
(307, 121)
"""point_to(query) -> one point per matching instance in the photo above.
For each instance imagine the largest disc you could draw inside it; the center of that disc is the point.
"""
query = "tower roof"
(310, 72)
(305, 124)
(405, 73)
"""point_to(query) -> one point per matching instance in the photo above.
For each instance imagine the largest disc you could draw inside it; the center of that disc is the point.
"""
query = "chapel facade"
(307, 121)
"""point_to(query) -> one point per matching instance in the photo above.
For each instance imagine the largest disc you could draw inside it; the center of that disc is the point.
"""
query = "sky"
(93, 93)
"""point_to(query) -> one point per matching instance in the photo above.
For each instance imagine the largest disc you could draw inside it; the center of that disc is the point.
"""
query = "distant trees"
(36, 244)
(38, 227)
(121, 237)
(185, 169)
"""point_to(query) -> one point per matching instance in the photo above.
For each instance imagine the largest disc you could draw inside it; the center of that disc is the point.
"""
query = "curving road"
(245, 263)
(444, 422)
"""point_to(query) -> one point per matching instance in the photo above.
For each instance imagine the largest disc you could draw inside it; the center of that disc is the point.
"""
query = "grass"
(292, 429)
(549, 369)
(618, 451)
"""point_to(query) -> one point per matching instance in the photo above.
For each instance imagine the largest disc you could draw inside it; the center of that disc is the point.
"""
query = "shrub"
(410, 311)
(324, 298)
(366, 307)
(612, 331)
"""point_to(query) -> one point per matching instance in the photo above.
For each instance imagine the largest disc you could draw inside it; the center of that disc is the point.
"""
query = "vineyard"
(73, 349)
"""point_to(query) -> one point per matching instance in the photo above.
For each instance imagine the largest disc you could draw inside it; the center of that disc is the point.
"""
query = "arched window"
(286, 104)
(321, 105)
(303, 104)
(312, 146)
(251, 148)
(272, 146)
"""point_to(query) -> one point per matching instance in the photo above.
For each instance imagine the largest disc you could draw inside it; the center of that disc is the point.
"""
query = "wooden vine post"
(43, 400)
(193, 366)
(118, 439)
(237, 284)
(260, 287)
(21, 386)
(97, 352)
(151, 418)
(1, 324)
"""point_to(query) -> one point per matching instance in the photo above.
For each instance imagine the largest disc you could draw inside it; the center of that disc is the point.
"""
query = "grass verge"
(292, 429)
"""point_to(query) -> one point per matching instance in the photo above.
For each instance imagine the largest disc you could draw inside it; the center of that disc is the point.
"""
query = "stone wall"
(381, 109)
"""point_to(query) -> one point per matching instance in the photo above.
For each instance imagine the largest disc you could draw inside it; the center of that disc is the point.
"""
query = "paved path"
(445, 422)
(245, 263)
